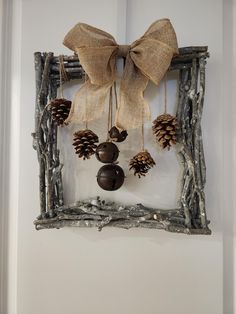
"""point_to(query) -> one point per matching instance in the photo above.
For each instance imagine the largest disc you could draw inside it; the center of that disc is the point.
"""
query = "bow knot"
(148, 58)
(123, 50)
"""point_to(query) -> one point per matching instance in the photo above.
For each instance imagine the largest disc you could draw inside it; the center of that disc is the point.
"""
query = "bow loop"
(147, 58)
(84, 35)
(148, 54)
(100, 69)
(163, 31)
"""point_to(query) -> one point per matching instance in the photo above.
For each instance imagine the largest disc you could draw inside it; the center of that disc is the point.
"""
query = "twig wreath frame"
(189, 218)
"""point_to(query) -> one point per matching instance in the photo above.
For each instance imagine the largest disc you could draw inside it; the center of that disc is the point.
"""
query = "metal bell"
(110, 177)
(107, 152)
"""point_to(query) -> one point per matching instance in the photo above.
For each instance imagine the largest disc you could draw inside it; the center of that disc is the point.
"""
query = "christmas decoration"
(110, 177)
(113, 133)
(164, 128)
(189, 217)
(141, 163)
(107, 152)
(116, 136)
(85, 143)
(60, 108)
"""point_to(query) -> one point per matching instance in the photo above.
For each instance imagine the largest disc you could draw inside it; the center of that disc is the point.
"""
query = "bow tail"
(88, 102)
(133, 110)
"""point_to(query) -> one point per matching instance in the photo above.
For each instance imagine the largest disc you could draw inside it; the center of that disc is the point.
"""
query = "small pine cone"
(141, 163)
(60, 109)
(165, 128)
(85, 143)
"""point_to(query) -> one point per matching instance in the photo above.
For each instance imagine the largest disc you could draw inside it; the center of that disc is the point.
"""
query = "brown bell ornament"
(107, 152)
(110, 177)
(117, 136)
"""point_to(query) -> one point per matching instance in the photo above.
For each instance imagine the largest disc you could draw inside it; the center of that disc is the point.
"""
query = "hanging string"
(142, 137)
(86, 101)
(60, 73)
(63, 75)
(115, 92)
(142, 132)
(111, 105)
(110, 113)
(165, 91)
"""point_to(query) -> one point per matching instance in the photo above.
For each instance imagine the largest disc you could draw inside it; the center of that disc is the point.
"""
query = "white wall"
(233, 168)
(229, 115)
(116, 271)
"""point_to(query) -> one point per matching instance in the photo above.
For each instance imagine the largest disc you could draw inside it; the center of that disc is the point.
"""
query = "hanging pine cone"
(141, 163)
(85, 143)
(165, 128)
(60, 109)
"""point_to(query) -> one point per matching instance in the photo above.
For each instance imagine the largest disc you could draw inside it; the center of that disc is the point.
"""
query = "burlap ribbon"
(147, 58)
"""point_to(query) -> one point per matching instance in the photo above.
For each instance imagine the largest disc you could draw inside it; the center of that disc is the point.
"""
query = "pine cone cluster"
(60, 109)
(165, 128)
(85, 143)
(141, 163)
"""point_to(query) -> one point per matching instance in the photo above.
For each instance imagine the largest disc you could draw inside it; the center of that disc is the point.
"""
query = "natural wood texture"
(75, 71)
(45, 139)
(98, 213)
(189, 218)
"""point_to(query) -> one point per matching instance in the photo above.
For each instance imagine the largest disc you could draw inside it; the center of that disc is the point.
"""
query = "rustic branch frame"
(189, 218)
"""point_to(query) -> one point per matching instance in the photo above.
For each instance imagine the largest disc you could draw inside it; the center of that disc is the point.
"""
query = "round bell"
(110, 177)
(107, 152)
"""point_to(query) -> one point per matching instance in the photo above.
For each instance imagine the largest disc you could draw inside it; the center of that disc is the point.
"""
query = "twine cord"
(142, 132)
(165, 93)
(110, 113)
(142, 138)
(62, 73)
(115, 92)
(86, 101)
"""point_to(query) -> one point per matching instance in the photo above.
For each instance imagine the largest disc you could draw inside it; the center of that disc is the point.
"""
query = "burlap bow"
(147, 58)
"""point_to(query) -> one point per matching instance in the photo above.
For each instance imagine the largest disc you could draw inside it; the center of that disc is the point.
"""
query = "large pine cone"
(85, 143)
(60, 109)
(165, 128)
(141, 163)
